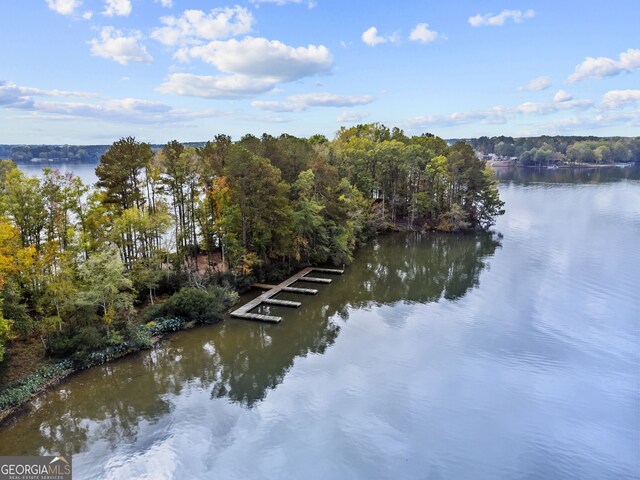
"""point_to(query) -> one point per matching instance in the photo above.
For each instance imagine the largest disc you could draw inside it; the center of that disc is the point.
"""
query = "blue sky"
(92, 71)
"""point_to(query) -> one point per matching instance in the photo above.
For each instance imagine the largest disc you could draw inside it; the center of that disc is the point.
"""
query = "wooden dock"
(314, 280)
(335, 271)
(263, 286)
(282, 303)
(305, 291)
(244, 311)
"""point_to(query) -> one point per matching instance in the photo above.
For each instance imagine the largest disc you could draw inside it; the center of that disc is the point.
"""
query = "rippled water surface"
(442, 357)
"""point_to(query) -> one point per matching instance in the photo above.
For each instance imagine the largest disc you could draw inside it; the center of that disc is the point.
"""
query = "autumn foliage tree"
(77, 262)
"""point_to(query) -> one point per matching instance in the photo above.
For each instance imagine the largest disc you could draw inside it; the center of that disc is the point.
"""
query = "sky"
(93, 71)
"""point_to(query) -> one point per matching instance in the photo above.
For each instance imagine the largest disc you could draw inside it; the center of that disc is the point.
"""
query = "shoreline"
(13, 411)
(568, 166)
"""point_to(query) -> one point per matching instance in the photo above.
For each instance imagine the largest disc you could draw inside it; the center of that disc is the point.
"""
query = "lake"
(86, 171)
(514, 355)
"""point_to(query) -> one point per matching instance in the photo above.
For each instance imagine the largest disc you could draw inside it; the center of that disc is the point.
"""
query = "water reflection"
(529, 372)
(568, 175)
(240, 361)
(412, 268)
(252, 360)
(420, 268)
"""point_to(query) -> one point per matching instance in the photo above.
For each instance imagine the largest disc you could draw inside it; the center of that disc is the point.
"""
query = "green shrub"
(164, 325)
(139, 337)
(104, 355)
(14, 308)
(170, 282)
(78, 343)
(21, 390)
(195, 305)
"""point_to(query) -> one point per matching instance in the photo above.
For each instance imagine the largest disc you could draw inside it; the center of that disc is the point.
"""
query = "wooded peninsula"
(168, 239)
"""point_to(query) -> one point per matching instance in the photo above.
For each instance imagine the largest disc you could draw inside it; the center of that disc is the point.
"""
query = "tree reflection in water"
(240, 361)
(409, 268)
(577, 175)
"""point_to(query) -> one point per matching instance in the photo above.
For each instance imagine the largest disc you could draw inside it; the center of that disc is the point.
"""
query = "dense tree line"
(547, 150)
(529, 150)
(53, 153)
(77, 262)
(62, 153)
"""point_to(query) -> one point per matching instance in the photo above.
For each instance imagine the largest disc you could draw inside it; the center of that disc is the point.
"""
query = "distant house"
(502, 163)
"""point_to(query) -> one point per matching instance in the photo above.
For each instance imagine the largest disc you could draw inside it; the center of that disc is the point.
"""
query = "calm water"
(513, 356)
(86, 171)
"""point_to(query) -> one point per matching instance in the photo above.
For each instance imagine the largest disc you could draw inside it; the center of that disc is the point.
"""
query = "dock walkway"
(272, 290)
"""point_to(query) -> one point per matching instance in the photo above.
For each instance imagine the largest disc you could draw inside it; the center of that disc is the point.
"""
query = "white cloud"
(310, 3)
(331, 100)
(500, 114)
(114, 45)
(88, 15)
(630, 119)
(421, 33)
(64, 7)
(220, 87)
(121, 8)
(125, 106)
(271, 106)
(194, 26)
(371, 37)
(262, 58)
(537, 108)
(586, 125)
(110, 111)
(165, 3)
(602, 67)
(351, 117)
(127, 110)
(492, 20)
(259, 118)
(562, 96)
(537, 84)
(566, 125)
(58, 93)
(299, 103)
(620, 98)
(137, 112)
(14, 95)
(546, 108)
(495, 115)
(394, 37)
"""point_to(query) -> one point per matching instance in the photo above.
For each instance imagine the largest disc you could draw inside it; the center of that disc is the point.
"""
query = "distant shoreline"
(569, 166)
